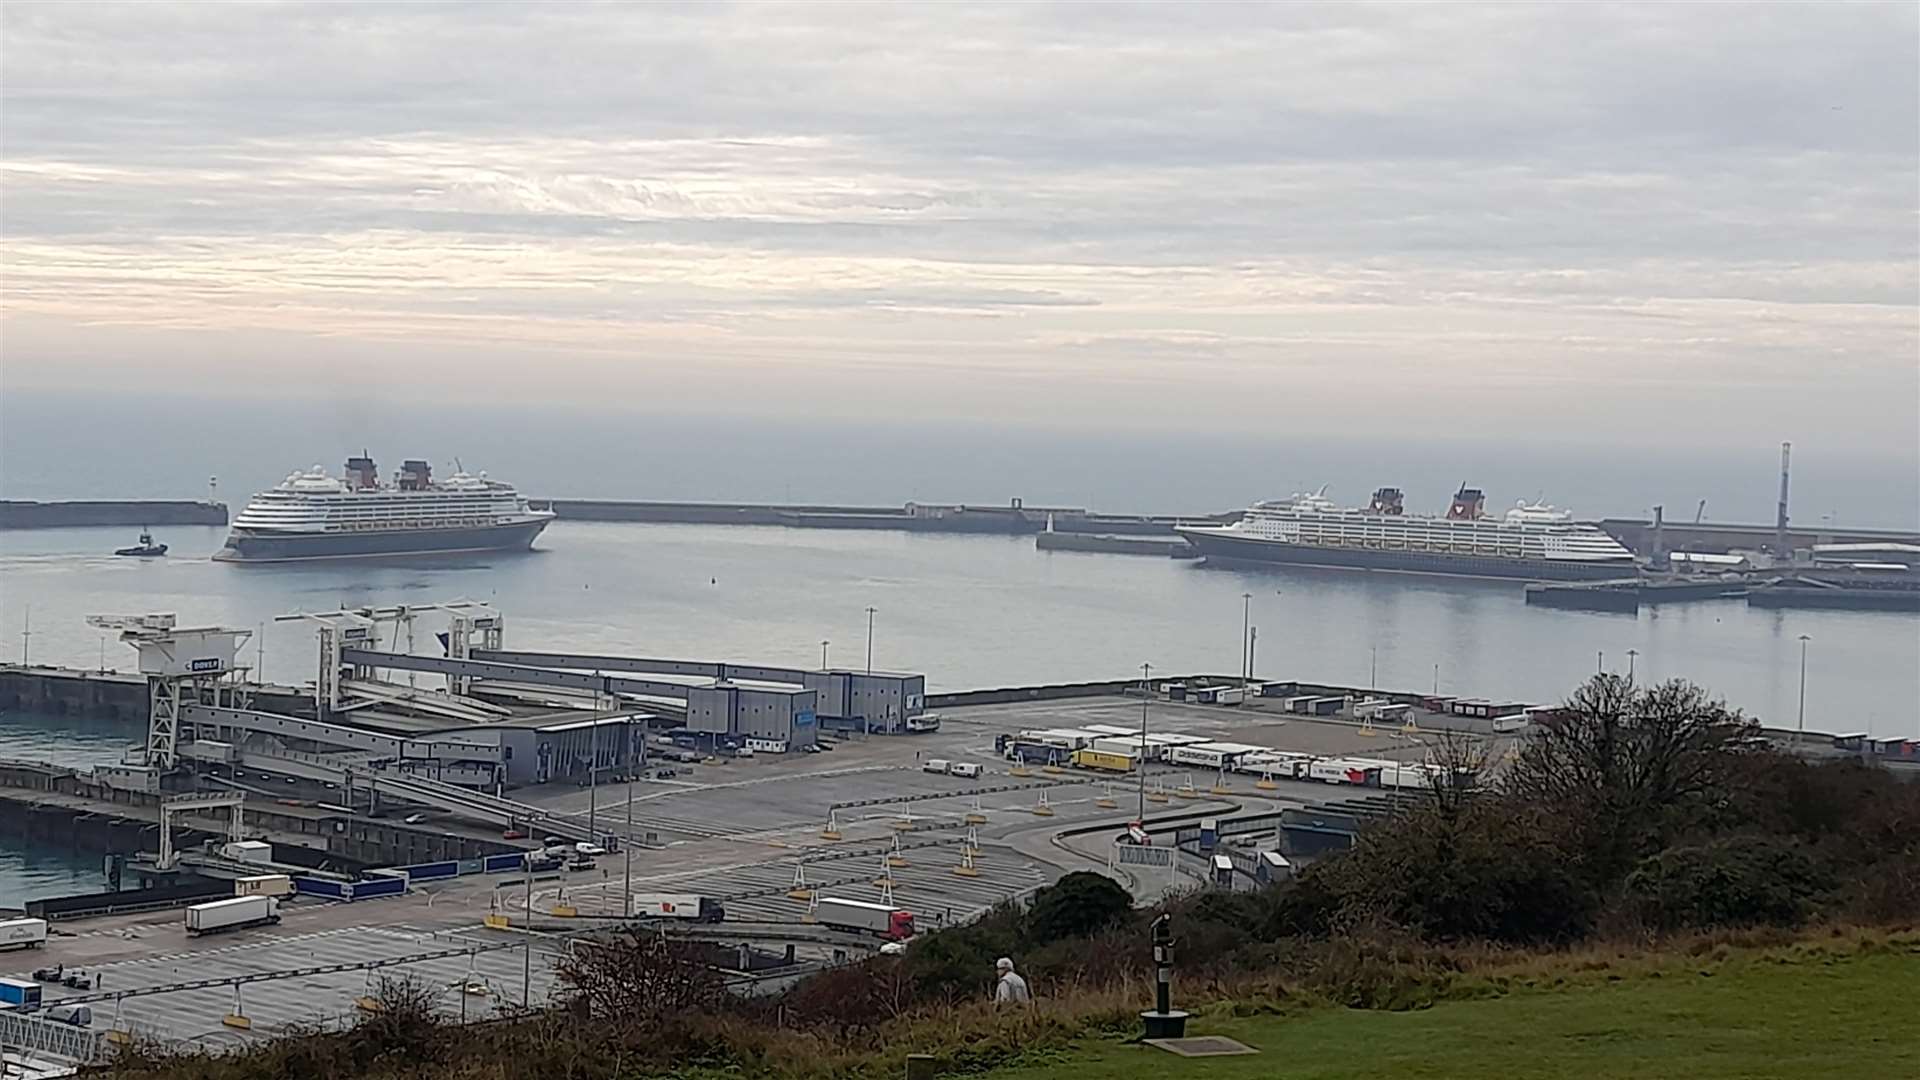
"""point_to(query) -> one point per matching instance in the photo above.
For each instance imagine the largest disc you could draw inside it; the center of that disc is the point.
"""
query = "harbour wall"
(135, 513)
(1014, 518)
(111, 695)
(49, 803)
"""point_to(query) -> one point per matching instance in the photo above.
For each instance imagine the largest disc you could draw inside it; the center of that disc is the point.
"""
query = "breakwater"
(1013, 518)
(132, 513)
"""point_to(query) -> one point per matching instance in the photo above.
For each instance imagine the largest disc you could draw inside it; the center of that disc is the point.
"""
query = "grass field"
(1787, 1017)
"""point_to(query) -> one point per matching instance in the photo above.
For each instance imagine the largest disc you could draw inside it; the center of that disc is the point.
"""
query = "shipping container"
(685, 907)
(1515, 722)
(23, 933)
(20, 994)
(892, 923)
(1112, 729)
(253, 851)
(1301, 705)
(263, 885)
(1169, 738)
(1104, 762)
(1129, 745)
(234, 914)
(1326, 706)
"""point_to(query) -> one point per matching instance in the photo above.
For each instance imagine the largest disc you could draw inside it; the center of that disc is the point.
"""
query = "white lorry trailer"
(219, 916)
(23, 933)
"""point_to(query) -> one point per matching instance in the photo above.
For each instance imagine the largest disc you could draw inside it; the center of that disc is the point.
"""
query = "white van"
(936, 765)
(966, 769)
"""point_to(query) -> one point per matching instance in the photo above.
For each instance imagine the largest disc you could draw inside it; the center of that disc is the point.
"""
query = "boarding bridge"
(609, 685)
(377, 744)
(478, 806)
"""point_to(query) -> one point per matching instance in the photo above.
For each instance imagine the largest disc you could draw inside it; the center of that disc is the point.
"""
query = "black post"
(1163, 1021)
(1163, 964)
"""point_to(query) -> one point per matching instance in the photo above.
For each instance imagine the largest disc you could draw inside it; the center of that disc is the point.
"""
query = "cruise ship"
(311, 515)
(1533, 542)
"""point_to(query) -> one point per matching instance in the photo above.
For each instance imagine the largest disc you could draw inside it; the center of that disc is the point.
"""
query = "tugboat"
(145, 549)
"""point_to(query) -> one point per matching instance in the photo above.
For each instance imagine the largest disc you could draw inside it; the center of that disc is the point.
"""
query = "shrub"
(1080, 904)
(1733, 881)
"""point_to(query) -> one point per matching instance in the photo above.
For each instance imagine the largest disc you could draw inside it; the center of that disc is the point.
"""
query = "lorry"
(19, 994)
(218, 916)
(683, 907)
(1102, 761)
(865, 917)
(23, 933)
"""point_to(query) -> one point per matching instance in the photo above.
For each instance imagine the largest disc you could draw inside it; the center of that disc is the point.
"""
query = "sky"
(1678, 224)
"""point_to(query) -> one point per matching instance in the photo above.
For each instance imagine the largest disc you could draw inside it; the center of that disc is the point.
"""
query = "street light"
(870, 612)
(1140, 766)
(1373, 668)
(1600, 662)
(1803, 688)
(1631, 653)
(1246, 624)
(823, 654)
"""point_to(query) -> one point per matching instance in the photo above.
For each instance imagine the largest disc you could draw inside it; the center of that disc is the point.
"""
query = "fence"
(1143, 857)
(35, 1035)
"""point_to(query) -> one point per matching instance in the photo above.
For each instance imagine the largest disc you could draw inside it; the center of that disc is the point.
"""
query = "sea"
(968, 611)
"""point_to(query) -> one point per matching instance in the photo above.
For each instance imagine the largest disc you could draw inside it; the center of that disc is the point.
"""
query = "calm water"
(968, 611)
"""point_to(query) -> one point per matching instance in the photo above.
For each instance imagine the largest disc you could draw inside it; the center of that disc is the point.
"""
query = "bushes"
(1734, 881)
(1078, 905)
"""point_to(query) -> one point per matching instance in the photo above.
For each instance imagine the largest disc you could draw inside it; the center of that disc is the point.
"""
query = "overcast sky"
(1687, 222)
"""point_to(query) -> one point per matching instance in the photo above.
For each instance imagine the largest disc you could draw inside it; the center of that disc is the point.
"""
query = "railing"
(37, 1035)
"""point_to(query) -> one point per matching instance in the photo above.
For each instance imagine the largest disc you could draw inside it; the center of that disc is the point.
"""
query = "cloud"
(1543, 198)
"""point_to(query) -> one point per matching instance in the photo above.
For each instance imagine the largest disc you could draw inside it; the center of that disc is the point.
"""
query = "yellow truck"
(1101, 761)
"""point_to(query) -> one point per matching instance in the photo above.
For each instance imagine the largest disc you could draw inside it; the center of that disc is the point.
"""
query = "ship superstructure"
(1532, 541)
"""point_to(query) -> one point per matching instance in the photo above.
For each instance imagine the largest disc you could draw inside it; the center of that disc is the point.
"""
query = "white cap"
(1003, 964)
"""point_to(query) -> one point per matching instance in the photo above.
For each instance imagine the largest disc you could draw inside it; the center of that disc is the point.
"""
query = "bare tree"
(640, 978)
(1626, 764)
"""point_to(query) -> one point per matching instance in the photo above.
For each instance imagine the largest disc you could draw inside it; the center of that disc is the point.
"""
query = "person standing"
(1011, 986)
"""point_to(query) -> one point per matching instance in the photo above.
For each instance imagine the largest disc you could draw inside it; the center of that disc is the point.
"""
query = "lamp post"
(1600, 662)
(1146, 698)
(1803, 689)
(1631, 653)
(1246, 624)
(823, 653)
(1373, 667)
(870, 612)
(626, 874)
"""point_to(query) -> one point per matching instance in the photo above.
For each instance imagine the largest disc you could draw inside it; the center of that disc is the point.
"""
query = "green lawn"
(1854, 1017)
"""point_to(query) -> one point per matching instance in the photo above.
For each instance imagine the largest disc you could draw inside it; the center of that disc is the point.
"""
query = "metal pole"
(1373, 668)
(1631, 653)
(1599, 662)
(1146, 697)
(593, 789)
(870, 612)
(526, 963)
(626, 875)
(1246, 624)
(1803, 688)
(1436, 680)
(26, 634)
(823, 655)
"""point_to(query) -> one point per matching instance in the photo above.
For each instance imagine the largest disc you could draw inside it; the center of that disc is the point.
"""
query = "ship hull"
(1221, 549)
(260, 546)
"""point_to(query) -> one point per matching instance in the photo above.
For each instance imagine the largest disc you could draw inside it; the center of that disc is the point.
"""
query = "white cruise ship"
(1531, 541)
(311, 515)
